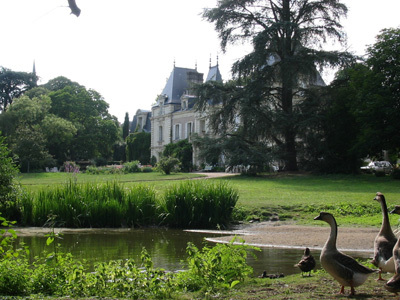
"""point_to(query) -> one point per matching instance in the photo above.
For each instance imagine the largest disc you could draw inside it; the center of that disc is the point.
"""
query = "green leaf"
(49, 240)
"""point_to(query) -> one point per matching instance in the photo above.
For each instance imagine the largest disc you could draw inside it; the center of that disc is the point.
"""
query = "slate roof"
(177, 84)
(214, 74)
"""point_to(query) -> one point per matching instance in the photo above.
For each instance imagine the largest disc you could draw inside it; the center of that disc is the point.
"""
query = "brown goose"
(384, 242)
(393, 284)
(306, 263)
(345, 269)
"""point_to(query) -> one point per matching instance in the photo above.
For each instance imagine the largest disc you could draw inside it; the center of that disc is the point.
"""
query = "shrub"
(147, 169)
(132, 167)
(71, 167)
(167, 165)
(223, 265)
(396, 173)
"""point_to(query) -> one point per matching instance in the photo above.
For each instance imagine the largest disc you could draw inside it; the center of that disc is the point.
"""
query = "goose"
(384, 242)
(345, 269)
(393, 284)
(306, 263)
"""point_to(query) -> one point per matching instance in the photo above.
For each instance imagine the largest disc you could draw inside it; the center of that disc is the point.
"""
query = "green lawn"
(37, 181)
(291, 197)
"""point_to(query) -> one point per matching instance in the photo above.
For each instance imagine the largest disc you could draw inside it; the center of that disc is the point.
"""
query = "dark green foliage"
(273, 77)
(396, 173)
(8, 173)
(14, 84)
(125, 127)
(183, 151)
(138, 147)
(200, 204)
(237, 151)
(10, 191)
(168, 164)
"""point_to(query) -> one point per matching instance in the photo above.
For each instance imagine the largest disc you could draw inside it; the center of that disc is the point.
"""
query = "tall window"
(202, 126)
(177, 131)
(189, 129)
(160, 133)
(140, 123)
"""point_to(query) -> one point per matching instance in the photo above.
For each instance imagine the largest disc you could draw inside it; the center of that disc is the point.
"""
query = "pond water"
(167, 248)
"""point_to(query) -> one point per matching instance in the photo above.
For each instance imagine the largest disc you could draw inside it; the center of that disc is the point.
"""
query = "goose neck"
(331, 242)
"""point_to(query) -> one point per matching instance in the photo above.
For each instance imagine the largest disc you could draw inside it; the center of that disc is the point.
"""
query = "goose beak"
(318, 217)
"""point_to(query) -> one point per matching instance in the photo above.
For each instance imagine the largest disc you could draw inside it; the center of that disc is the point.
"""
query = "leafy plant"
(222, 266)
(168, 164)
(131, 167)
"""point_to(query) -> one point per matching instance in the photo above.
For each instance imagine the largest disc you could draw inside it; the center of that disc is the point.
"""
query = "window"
(160, 133)
(140, 123)
(202, 126)
(177, 132)
(189, 129)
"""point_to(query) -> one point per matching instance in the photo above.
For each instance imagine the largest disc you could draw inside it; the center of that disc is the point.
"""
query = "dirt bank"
(284, 235)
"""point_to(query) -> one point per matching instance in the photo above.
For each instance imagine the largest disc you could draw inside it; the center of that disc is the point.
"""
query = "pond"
(167, 247)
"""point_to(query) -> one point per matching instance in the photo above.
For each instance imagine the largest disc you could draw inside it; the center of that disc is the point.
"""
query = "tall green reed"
(200, 204)
(92, 205)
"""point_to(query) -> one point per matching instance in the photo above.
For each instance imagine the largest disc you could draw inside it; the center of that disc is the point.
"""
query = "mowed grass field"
(295, 197)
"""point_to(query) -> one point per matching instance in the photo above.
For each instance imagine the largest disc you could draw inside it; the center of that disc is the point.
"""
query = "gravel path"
(284, 235)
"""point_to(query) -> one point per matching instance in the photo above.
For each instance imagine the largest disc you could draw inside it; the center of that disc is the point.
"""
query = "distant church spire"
(35, 78)
(209, 66)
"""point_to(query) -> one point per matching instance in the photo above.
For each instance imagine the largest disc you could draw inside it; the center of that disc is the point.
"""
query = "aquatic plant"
(200, 204)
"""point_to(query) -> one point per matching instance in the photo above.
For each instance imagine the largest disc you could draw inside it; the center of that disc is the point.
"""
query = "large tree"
(14, 84)
(381, 97)
(97, 129)
(287, 38)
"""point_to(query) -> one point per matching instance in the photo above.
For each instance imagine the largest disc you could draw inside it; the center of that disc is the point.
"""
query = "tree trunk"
(287, 80)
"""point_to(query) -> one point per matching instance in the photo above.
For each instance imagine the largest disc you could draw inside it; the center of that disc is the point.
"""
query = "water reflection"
(167, 248)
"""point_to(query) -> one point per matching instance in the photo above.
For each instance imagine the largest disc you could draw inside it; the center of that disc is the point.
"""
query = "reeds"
(200, 204)
(192, 204)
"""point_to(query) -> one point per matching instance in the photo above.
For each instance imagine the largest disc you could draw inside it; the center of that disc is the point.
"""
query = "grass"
(301, 197)
(319, 286)
(295, 197)
(291, 197)
(38, 181)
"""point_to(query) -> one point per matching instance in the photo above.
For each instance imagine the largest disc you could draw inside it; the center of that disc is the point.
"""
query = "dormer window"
(184, 104)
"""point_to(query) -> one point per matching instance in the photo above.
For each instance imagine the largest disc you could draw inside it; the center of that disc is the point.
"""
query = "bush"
(167, 165)
(71, 167)
(9, 190)
(396, 173)
(222, 266)
(131, 167)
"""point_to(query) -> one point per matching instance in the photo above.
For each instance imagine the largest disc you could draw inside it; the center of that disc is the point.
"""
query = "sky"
(126, 49)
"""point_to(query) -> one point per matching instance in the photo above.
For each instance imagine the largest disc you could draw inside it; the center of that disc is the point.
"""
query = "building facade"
(173, 117)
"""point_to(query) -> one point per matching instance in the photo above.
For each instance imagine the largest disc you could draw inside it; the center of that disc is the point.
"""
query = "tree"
(8, 172)
(14, 84)
(97, 130)
(29, 144)
(183, 151)
(381, 101)
(138, 147)
(287, 38)
(125, 127)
